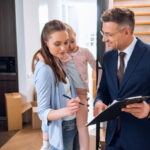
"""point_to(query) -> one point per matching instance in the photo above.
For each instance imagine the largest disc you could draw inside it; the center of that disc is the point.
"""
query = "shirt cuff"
(45, 116)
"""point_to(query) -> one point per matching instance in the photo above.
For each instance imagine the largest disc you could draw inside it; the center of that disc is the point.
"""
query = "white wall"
(20, 46)
(54, 11)
(28, 38)
(111, 2)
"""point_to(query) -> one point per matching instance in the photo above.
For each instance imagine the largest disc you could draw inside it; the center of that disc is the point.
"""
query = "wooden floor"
(29, 139)
(25, 139)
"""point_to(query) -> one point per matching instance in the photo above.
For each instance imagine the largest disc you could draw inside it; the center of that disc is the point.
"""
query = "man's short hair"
(121, 16)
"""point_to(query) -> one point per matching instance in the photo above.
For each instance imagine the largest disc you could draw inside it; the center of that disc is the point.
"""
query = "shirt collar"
(130, 48)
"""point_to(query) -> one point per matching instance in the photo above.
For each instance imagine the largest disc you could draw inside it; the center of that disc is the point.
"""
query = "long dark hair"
(49, 28)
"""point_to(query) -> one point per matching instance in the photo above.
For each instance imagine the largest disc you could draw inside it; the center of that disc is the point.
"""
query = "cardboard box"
(14, 111)
(36, 122)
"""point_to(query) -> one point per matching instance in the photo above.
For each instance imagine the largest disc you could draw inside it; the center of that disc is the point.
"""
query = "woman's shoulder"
(42, 69)
(41, 65)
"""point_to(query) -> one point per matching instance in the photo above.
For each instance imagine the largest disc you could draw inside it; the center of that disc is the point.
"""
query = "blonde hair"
(69, 29)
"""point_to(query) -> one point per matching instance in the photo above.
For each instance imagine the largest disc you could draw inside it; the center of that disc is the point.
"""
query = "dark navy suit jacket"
(135, 82)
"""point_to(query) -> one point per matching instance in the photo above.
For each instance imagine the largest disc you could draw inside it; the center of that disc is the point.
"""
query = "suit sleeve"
(102, 92)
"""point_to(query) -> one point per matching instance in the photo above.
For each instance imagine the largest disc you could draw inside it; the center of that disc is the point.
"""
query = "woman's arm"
(71, 108)
(43, 84)
(45, 87)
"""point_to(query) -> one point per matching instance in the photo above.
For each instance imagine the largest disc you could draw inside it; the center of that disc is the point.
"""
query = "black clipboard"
(114, 110)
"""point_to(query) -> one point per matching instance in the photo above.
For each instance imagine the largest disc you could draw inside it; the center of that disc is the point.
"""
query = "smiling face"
(116, 36)
(58, 44)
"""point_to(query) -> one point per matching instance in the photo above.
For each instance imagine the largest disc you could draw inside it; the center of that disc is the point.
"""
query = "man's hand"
(99, 107)
(139, 110)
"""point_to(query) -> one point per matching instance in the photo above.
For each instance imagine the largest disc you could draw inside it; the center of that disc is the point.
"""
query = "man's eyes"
(108, 34)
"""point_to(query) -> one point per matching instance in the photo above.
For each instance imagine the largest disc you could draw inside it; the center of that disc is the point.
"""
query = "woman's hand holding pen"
(72, 106)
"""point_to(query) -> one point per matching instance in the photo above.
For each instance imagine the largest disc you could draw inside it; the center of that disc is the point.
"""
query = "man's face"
(114, 36)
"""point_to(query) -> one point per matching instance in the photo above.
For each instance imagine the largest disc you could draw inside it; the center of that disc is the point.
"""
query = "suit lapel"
(133, 62)
(113, 69)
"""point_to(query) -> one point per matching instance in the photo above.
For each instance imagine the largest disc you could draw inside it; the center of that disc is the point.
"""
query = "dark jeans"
(70, 135)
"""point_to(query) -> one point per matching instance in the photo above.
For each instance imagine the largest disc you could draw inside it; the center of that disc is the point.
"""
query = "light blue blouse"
(49, 96)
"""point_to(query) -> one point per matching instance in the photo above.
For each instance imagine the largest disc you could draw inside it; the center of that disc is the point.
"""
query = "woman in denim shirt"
(51, 82)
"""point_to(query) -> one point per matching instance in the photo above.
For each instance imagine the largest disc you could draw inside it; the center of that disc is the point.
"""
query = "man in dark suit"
(126, 73)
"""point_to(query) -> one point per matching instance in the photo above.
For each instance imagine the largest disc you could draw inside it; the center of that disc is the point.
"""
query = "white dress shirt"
(128, 52)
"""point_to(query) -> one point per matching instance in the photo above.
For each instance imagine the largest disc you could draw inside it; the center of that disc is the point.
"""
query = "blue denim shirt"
(49, 96)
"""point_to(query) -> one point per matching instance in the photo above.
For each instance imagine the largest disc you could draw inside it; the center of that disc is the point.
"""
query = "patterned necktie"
(120, 75)
(121, 67)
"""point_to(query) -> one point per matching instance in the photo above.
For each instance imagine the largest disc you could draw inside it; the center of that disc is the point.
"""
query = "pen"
(70, 98)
